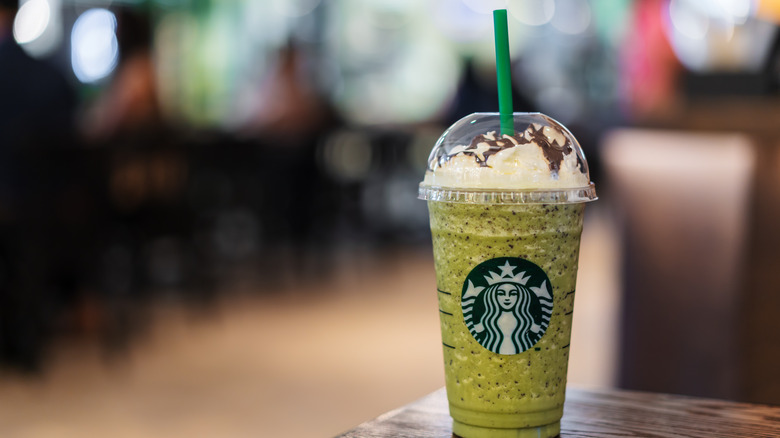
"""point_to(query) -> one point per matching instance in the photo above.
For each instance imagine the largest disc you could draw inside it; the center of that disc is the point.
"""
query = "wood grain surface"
(599, 413)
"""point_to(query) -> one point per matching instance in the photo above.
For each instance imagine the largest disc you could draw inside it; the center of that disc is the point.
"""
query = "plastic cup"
(506, 217)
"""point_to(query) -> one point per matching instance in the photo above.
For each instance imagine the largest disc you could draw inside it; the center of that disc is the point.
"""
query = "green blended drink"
(506, 217)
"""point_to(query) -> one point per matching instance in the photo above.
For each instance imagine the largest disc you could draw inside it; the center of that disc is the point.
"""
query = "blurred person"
(36, 101)
(128, 104)
(38, 271)
(291, 118)
(289, 106)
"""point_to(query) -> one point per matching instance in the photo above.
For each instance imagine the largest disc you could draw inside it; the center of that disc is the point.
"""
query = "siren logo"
(507, 303)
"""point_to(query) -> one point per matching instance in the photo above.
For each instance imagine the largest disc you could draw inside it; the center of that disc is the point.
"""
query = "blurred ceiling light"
(390, 75)
(38, 27)
(532, 12)
(686, 28)
(739, 10)
(733, 11)
(31, 21)
(728, 12)
(485, 6)
(94, 47)
(718, 35)
(688, 20)
(573, 17)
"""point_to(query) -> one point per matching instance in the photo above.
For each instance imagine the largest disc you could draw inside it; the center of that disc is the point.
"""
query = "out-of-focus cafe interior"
(209, 222)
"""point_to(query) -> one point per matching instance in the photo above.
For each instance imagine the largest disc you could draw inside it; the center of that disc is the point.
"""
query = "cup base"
(463, 430)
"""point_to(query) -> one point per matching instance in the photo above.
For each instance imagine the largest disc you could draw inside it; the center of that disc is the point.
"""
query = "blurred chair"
(683, 201)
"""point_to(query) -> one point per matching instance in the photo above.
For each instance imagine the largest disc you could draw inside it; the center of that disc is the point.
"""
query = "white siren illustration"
(507, 303)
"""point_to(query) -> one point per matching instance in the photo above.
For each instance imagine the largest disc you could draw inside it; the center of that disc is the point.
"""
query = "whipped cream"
(541, 157)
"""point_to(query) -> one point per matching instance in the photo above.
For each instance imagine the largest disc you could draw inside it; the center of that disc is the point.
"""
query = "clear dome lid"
(539, 162)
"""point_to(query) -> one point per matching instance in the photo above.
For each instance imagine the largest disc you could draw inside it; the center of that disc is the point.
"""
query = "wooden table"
(599, 413)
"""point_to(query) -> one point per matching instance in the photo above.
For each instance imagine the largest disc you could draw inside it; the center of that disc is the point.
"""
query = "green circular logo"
(507, 303)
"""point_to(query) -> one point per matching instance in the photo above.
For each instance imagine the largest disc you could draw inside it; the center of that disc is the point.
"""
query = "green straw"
(503, 72)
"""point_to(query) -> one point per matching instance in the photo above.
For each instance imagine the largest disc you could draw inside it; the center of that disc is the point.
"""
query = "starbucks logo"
(507, 303)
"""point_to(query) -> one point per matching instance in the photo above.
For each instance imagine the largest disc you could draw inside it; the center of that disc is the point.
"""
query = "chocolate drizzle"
(483, 146)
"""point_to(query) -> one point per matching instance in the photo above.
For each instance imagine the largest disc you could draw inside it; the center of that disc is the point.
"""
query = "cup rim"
(572, 195)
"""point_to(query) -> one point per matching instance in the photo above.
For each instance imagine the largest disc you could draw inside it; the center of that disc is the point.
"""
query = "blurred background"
(208, 213)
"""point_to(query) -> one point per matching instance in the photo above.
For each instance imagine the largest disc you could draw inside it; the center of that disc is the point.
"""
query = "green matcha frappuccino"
(506, 217)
